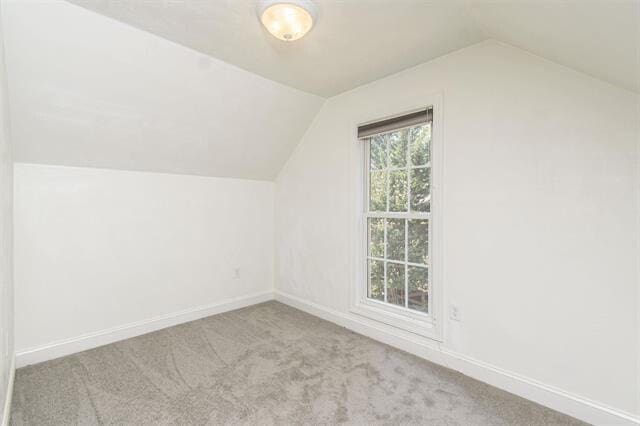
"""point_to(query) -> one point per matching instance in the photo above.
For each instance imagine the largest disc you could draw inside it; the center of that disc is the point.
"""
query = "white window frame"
(428, 325)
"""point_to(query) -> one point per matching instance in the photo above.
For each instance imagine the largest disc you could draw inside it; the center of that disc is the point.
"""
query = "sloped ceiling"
(358, 41)
(86, 90)
(598, 37)
(199, 87)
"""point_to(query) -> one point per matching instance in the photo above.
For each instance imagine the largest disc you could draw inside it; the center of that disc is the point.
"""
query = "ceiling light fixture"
(287, 20)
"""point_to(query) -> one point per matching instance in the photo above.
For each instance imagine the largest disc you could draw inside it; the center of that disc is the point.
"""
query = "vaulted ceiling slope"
(358, 41)
(199, 87)
(87, 90)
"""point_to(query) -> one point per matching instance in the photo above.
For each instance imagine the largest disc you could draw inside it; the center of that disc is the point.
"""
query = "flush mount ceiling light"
(287, 20)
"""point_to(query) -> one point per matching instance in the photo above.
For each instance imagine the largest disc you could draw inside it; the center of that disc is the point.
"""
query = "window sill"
(415, 323)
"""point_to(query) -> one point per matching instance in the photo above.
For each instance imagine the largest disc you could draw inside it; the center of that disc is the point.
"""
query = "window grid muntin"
(384, 263)
(407, 215)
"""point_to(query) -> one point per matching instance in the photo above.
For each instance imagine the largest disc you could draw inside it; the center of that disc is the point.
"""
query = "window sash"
(408, 215)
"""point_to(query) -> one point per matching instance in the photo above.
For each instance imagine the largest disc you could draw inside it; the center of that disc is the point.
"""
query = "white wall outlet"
(454, 313)
(236, 273)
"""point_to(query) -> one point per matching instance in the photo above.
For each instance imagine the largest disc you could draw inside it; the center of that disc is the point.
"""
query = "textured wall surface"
(539, 213)
(97, 249)
(6, 239)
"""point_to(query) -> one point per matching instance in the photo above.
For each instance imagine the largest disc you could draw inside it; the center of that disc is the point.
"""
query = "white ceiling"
(88, 90)
(85, 90)
(598, 37)
(358, 41)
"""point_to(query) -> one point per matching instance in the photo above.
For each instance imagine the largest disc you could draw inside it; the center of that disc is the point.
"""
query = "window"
(397, 222)
(398, 204)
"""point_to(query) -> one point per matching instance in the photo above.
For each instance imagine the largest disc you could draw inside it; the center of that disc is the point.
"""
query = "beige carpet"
(266, 364)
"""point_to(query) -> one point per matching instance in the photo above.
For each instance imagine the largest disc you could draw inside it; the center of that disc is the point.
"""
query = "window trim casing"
(425, 325)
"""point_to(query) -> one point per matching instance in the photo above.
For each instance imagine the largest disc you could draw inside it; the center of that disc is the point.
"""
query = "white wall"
(6, 243)
(100, 249)
(540, 207)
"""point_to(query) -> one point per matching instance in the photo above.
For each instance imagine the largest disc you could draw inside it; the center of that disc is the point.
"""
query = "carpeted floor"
(266, 364)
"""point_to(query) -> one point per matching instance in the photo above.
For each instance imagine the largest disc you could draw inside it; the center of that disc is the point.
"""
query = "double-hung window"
(397, 216)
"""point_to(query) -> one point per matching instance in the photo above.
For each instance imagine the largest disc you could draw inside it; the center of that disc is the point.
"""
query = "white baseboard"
(549, 396)
(6, 413)
(92, 340)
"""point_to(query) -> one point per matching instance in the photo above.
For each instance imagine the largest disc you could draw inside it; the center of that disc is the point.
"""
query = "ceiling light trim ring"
(287, 20)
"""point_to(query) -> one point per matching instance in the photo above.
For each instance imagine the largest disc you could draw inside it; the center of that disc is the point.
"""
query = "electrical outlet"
(454, 313)
(236, 273)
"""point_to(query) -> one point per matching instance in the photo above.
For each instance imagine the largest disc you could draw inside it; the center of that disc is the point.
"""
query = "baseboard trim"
(6, 414)
(549, 396)
(99, 338)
